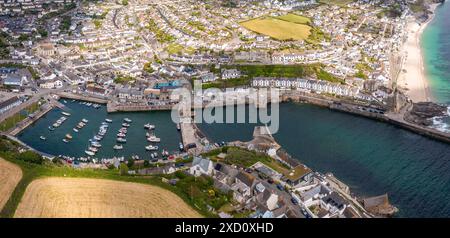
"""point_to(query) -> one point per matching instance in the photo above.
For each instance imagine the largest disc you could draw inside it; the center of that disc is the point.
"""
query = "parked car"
(294, 201)
(270, 181)
(280, 187)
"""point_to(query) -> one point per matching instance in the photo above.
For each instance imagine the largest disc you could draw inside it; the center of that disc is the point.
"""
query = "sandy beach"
(413, 76)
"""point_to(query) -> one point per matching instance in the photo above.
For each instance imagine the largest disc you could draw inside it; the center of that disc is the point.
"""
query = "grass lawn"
(175, 49)
(278, 29)
(294, 18)
(340, 3)
(18, 117)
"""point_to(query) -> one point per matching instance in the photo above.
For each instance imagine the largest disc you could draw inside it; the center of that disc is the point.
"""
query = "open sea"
(435, 43)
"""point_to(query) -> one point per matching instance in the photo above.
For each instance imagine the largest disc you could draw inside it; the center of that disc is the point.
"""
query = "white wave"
(439, 123)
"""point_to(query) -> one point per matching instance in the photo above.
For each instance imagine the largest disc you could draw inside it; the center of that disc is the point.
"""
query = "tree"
(31, 157)
(130, 163)
(123, 169)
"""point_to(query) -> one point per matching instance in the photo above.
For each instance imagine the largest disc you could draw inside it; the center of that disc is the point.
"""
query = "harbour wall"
(80, 97)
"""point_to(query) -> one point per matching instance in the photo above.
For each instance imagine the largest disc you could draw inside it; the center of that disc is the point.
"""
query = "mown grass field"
(10, 175)
(278, 29)
(294, 18)
(195, 192)
(340, 3)
(92, 198)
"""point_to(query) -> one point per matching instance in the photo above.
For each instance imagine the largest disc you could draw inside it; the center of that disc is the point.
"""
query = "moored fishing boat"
(65, 113)
(149, 126)
(121, 140)
(118, 147)
(69, 136)
(43, 138)
(84, 120)
(93, 149)
(75, 129)
(65, 140)
(108, 120)
(51, 128)
(127, 120)
(181, 147)
(125, 125)
(151, 147)
(89, 152)
(121, 135)
(153, 138)
(96, 144)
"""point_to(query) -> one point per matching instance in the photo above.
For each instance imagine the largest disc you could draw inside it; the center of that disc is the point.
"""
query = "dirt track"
(10, 175)
(78, 197)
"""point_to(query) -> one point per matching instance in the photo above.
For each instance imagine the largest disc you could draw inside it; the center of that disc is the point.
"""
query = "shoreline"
(413, 76)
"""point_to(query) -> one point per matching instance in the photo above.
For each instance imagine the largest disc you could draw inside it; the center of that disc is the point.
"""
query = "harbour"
(93, 120)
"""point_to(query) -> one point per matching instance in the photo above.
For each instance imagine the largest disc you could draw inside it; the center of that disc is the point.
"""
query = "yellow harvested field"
(278, 29)
(10, 175)
(87, 198)
(294, 18)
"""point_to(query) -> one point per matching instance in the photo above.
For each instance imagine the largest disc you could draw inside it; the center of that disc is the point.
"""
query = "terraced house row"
(306, 84)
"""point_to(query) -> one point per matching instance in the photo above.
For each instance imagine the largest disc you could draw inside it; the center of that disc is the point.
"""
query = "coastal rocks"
(422, 113)
(379, 206)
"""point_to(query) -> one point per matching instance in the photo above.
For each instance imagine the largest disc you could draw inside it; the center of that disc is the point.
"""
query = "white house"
(201, 166)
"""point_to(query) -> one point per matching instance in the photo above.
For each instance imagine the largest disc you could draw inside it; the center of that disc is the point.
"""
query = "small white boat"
(84, 120)
(69, 136)
(65, 140)
(51, 128)
(93, 149)
(43, 138)
(181, 147)
(65, 113)
(153, 138)
(178, 127)
(96, 144)
(127, 120)
(108, 120)
(121, 135)
(118, 147)
(149, 126)
(98, 138)
(121, 140)
(89, 152)
(125, 124)
(151, 147)
(75, 129)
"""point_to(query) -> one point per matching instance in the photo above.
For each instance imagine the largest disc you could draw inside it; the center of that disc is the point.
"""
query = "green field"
(278, 29)
(294, 18)
(18, 117)
(340, 3)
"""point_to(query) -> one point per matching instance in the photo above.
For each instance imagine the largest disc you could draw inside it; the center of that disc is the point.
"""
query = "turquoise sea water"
(136, 138)
(435, 43)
